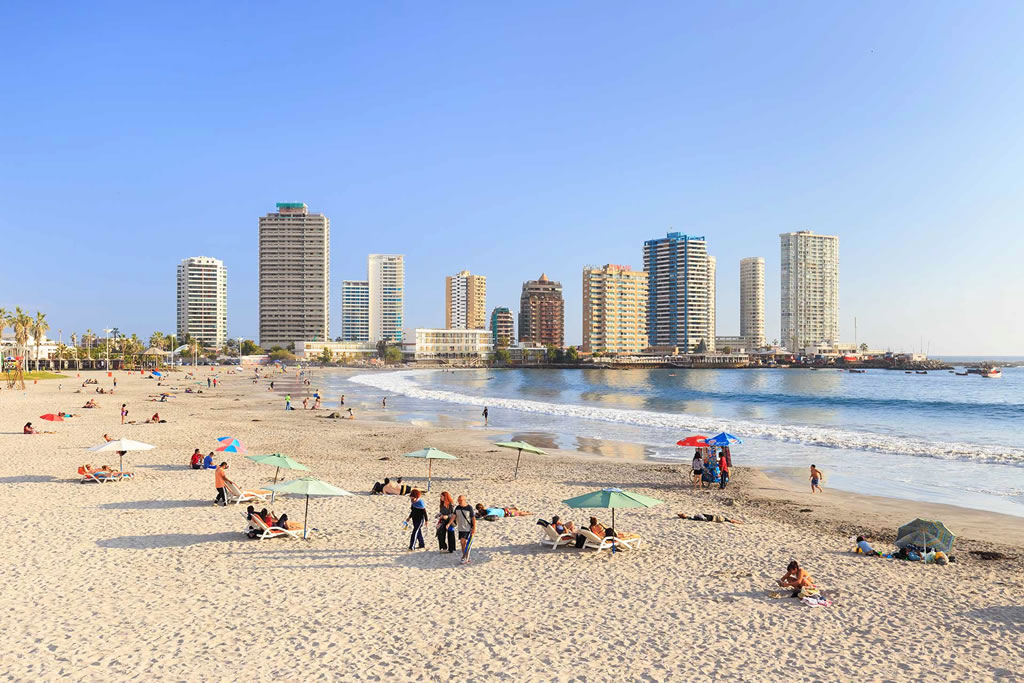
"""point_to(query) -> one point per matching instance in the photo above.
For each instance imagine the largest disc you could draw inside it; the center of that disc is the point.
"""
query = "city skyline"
(574, 156)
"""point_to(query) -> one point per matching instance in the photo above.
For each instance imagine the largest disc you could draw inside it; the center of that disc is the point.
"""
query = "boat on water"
(858, 371)
(992, 373)
(921, 372)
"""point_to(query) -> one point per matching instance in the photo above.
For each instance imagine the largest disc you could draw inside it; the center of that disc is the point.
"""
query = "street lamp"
(239, 353)
(107, 331)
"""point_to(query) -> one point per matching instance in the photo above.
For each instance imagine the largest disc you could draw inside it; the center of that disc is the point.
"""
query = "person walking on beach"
(418, 517)
(220, 478)
(384, 402)
(124, 412)
(288, 402)
(271, 385)
(305, 403)
(697, 468)
(446, 524)
(485, 416)
(343, 400)
(465, 520)
(816, 477)
(115, 382)
(207, 382)
(723, 465)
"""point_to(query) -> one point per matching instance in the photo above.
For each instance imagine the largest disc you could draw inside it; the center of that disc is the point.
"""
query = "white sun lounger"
(272, 531)
(554, 539)
(239, 496)
(596, 543)
(99, 477)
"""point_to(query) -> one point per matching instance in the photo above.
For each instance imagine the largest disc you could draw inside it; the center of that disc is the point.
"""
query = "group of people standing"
(706, 465)
(453, 517)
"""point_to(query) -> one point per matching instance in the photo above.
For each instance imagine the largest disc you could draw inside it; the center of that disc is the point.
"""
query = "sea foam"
(402, 382)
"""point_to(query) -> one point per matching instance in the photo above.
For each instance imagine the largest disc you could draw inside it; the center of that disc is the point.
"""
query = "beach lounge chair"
(596, 543)
(264, 531)
(98, 477)
(554, 539)
(239, 496)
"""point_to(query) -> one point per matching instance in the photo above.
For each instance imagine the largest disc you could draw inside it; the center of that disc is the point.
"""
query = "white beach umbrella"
(121, 446)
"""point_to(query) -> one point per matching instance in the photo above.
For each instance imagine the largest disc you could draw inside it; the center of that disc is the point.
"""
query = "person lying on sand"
(796, 577)
(513, 511)
(865, 547)
(155, 419)
(703, 517)
(90, 404)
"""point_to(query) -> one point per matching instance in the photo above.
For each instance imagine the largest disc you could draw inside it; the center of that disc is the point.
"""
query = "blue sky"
(516, 138)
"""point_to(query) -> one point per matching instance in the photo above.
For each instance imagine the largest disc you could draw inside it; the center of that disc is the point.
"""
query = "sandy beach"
(146, 579)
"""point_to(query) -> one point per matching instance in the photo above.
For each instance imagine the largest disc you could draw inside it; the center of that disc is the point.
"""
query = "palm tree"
(74, 345)
(39, 328)
(62, 353)
(195, 347)
(5, 316)
(21, 323)
(157, 339)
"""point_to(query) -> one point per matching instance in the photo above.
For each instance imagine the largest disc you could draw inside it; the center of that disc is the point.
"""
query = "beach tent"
(430, 454)
(520, 446)
(925, 534)
(278, 460)
(308, 486)
(612, 498)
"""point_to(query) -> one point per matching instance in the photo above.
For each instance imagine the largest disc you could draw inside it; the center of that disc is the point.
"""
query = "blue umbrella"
(724, 439)
(157, 373)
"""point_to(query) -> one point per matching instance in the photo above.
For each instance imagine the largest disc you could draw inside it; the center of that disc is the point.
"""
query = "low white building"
(340, 351)
(465, 345)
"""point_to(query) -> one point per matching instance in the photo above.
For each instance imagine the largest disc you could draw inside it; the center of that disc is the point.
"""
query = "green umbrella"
(520, 446)
(612, 498)
(308, 486)
(278, 460)
(431, 454)
(925, 534)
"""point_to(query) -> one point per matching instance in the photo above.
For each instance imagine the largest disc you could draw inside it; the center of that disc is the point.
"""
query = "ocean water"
(937, 437)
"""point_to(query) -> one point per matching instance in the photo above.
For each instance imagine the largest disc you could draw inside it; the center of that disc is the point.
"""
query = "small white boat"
(992, 373)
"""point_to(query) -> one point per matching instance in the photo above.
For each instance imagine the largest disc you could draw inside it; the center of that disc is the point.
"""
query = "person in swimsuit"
(816, 477)
(796, 578)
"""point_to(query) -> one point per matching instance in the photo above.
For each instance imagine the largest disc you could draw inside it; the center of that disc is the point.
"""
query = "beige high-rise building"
(614, 309)
(294, 275)
(752, 302)
(386, 275)
(712, 294)
(465, 301)
(678, 292)
(203, 300)
(810, 289)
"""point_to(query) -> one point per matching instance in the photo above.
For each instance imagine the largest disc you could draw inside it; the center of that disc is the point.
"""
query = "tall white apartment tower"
(752, 302)
(386, 276)
(677, 292)
(355, 310)
(810, 289)
(295, 272)
(712, 274)
(203, 300)
(465, 301)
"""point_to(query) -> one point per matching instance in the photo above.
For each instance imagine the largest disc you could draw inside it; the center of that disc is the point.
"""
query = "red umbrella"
(51, 417)
(697, 441)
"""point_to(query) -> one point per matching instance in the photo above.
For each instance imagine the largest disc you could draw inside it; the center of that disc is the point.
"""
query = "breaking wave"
(402, 383)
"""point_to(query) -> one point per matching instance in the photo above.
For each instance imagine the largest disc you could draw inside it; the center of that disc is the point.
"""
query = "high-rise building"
(355, 310)
(810, 289)
(752, 302)
(677, 292)
(294, 277)
(386, 275)
(614, 309)
(712, 294)
(542, 313)
(203, 300)
(502, 327)
(465, 301)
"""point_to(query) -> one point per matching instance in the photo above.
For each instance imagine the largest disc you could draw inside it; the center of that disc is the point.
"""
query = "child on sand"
(816, 477)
